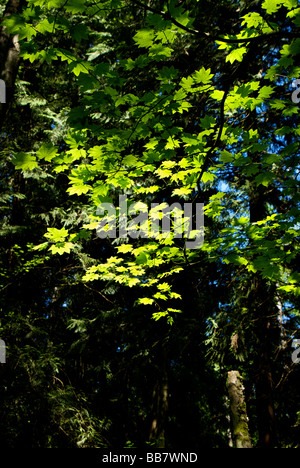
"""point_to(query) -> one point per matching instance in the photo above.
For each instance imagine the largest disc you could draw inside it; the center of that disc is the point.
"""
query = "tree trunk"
(160, 404)
(9, 58)
(266, 329)
(261, 302)
(238, 409)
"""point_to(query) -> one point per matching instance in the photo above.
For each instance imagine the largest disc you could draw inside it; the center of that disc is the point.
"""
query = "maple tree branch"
(216, 143)
(227, 40)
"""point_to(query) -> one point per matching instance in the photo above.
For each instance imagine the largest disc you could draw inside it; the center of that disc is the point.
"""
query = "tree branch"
(218, 139)
(195, 32)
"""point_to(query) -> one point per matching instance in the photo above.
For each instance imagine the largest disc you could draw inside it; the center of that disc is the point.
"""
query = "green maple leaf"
(24, 161)
(125, 248)
(203, 76)
(75, 6)
(236, 55)
(144, 38)
(208, 177)
(272, 6)
(172, 143)
(266, 91)
(80, 67)
(56, 235)
(47, 151)
(252, 19)
(61, 248)
(79, 189)
(159, 50)
(146, 301)
(44, 26)
(226, 157)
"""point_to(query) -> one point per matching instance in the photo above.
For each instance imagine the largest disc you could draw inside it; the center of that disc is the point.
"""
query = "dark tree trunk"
(266, 330)
(262, 304)
(160, 403)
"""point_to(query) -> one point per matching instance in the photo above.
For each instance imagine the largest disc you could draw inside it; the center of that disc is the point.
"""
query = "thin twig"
(98, 292)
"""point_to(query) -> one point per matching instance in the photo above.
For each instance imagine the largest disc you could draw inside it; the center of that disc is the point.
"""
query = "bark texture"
(238, 409)
(9, 58)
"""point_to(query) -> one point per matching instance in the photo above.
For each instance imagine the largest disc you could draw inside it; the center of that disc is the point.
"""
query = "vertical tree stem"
(238, 409)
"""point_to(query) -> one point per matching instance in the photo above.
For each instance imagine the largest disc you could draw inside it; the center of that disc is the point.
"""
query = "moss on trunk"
(238, 409)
